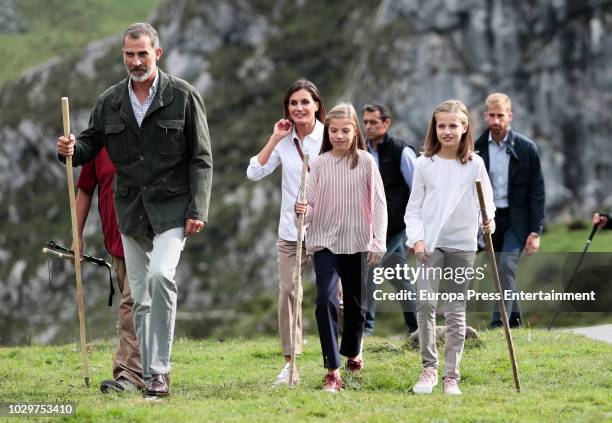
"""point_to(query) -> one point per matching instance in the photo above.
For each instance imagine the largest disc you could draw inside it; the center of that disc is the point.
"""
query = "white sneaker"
(283, 376)
(427, 381)
(451, 386)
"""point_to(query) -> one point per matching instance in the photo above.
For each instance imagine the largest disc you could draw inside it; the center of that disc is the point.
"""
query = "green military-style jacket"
(164, 168)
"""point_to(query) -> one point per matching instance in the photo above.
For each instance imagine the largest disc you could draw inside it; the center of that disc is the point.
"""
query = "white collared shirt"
(140, 110)
(286, 153)
(499, 163)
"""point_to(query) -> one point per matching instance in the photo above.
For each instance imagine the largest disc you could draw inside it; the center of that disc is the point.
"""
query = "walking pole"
(502, 306)
(297, 276)
(571, 280)
(76, 246)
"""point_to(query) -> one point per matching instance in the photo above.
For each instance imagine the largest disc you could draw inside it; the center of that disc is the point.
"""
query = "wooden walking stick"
(297, 276)
(76, 246)
(502, 305)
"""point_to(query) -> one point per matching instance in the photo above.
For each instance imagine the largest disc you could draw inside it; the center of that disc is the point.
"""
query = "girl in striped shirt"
(347, 213)
(442, 220)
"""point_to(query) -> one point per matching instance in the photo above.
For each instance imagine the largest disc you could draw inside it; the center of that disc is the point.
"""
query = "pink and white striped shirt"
(347, 210)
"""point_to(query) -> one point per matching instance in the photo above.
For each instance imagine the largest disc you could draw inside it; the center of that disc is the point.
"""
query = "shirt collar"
(152, 90)
(369, 142)
(317, 132)
(503, 141)
(369, 145)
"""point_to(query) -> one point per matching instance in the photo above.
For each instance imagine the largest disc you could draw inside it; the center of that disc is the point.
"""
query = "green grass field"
(558, 238)
(62, 28)
(231, 381)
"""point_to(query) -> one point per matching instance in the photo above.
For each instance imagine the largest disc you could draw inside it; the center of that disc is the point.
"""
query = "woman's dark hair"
(304, 84)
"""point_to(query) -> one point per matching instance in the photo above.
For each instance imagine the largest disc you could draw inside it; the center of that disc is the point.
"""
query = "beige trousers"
(454, 313)
(126, 363)
(286, 287)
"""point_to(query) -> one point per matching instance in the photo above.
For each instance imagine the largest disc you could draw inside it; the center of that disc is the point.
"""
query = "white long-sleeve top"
(286, 154)
(347, 210)
(443, 209)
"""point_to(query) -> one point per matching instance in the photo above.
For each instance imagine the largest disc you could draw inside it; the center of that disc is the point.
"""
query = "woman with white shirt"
(442, 219)
(300, 132)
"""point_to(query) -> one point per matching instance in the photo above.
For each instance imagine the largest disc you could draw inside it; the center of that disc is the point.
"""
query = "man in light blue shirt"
(499, 162)
(513, 163)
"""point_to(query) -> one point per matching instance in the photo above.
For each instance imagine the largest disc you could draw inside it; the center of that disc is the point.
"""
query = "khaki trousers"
(286, 268)
(286, 286)
(126, 363)
(454, 313)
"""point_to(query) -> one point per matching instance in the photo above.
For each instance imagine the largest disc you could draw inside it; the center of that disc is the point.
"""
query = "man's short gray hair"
(137, 30)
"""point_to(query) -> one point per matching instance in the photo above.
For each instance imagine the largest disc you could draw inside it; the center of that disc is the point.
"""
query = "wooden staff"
(297, 276)
(76, 247)
(500, 302)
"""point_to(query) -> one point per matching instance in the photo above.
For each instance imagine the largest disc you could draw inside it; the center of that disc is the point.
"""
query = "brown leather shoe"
(158, 385)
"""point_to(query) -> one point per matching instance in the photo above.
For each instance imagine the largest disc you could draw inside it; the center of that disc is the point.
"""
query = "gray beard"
(143, 77)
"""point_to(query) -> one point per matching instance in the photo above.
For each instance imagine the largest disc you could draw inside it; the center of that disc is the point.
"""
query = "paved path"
(600, 332)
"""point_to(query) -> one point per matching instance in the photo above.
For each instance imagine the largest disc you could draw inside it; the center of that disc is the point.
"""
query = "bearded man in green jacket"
(154, 128)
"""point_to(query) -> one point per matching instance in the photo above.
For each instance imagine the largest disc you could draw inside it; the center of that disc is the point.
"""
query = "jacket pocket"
(116, 141)
(182, 187)
(170, 137)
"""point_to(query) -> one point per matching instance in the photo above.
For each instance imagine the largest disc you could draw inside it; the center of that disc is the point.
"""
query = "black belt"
(502, 211)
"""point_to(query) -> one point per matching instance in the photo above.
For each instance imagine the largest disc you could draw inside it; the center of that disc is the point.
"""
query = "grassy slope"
(556, 239)
(560, 239)
(231, 381)
(60, 28)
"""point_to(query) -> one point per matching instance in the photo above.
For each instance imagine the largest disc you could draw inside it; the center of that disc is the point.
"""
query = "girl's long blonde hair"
(344, 111)
(432, 145)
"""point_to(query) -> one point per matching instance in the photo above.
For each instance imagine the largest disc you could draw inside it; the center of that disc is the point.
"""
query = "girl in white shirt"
(300, 132)
(347, 214)
(442, 219)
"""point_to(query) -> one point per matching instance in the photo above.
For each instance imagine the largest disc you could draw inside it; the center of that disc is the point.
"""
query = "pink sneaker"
(332, 383)
(427, 381)
(451, 386)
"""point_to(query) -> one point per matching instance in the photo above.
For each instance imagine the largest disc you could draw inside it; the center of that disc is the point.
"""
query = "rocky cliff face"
(552, 57)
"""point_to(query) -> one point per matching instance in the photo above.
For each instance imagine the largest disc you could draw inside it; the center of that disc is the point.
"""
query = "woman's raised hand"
(282, 128)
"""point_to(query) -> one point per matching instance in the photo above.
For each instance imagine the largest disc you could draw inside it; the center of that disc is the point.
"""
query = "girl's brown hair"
(344, 111)
(432, 144)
